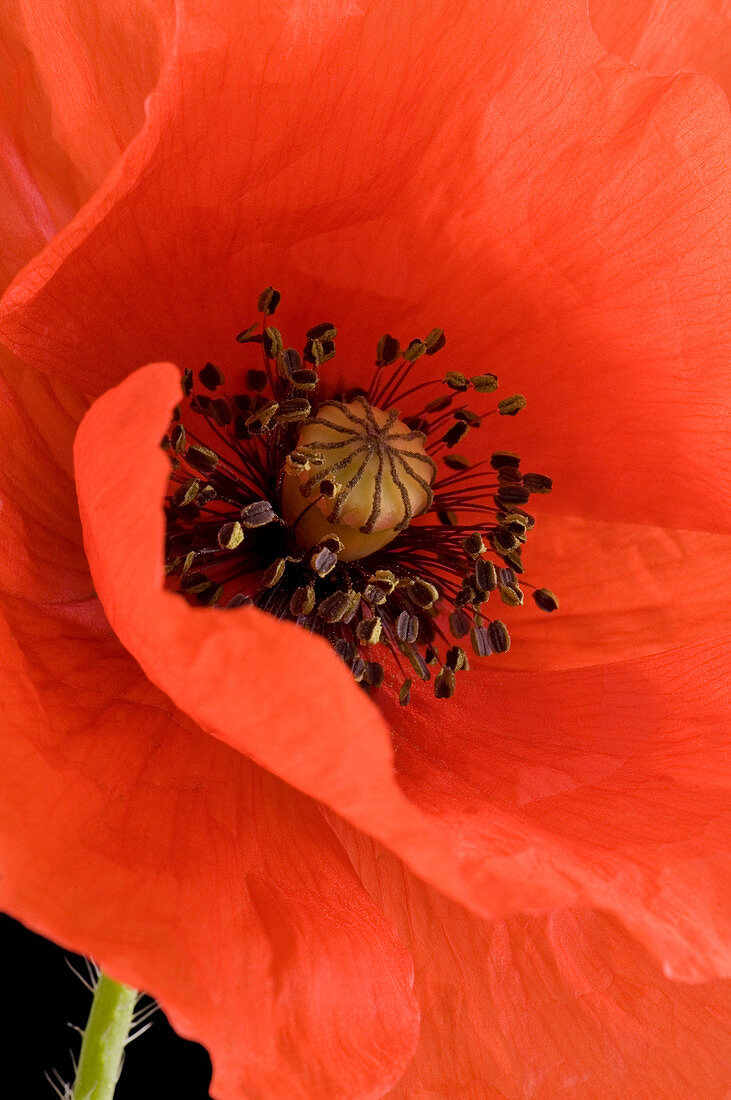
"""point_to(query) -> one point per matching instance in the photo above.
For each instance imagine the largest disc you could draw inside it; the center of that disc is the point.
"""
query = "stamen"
(328, 511)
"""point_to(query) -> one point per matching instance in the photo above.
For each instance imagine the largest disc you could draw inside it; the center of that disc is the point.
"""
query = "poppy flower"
(500, 894)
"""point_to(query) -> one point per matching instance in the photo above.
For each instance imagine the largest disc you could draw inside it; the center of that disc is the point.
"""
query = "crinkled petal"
(73, 81)
(595, 786)
(534, 210)
(128, 834)
(666, 35)
(625, 590)
(566, 1005)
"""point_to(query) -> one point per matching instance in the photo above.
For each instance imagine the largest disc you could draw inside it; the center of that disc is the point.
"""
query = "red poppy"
(314, 883)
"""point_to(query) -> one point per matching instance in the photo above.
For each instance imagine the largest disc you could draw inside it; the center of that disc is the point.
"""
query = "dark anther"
(467, 594)
(499, 637)
(504, 458)
(512, 494)
(423, 593)
(537, 483)
(457, 462)
(457, 381)
(186, 382)
(304, 379)
(262, 419)
(435, 341)
(417, 661)
(319, 351)
(456, 658)
(445, 684)
(177, 438)
(269, 299)
(258, 514)
(211, 377)
(273, 575)
(447, 517)
(511, 595)
(511, 406)
(375, 594)
(504, 541)
(323, 560)
(272, 342)
(407, 627)
(473, 545)
(334, 607)
(439, 403)
(467, 415)
(202, 458)
(414, 351)
(514, 558)
(373, 674)
(186, 493)
(195, 583)
(484, 383)
(302, 601)
(545, 599)
(256, 380)
(485, 578)
(294, 408)
(359, 668)
(405, 693)
(230, 535)
(324, 331)
(480, 638)
(368, 631)
(288, 363)
(459, 623)
(454, 434)
(431, 656)
(388, 350)
(250, 335)
(347, 650)
(240, 600)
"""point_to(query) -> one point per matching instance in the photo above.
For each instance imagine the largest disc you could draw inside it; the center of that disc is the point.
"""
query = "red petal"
(594, 786)
(535, 210)
(625, 590)
(74, 78)
(561, 1006)
(666, 35)
(128, 834)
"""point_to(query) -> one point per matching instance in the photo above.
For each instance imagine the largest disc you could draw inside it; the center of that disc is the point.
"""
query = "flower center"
(356, 521)
(358, 473)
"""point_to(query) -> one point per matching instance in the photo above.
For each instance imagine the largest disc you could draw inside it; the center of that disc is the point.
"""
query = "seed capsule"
(383, 471)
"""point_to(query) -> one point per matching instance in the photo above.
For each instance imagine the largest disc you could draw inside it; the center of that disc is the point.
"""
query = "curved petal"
(666, 35)
(44, 557)
(564, 1006)
(534, 210)
(73, 82)
(625, 590)
(590, 786)
(185, 870)
(130, 835)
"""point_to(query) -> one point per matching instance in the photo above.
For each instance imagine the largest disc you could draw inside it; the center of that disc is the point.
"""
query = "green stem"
(102, 1047)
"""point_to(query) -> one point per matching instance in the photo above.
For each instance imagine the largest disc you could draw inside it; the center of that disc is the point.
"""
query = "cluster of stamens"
(359, 525)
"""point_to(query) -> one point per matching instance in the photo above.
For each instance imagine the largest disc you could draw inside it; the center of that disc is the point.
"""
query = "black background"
(40, 994)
